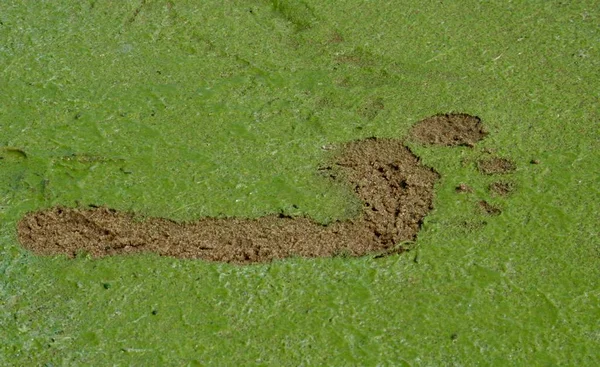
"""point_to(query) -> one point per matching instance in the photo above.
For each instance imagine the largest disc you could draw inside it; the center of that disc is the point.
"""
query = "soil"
(450, 129)
(395, 189)
(502, 188)
(495, 165)
(488, 208)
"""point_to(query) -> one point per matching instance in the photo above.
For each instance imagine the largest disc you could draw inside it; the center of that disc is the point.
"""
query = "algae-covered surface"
(185, 110)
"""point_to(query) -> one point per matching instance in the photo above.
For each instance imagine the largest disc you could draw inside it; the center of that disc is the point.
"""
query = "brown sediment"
(488, 208)
(495, 165)
(450, 129)
(502, 188)
(395, 189)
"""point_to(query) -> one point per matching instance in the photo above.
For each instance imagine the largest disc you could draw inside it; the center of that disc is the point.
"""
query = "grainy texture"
(395, 189)
(502, 188)
(495, 165)
(449, 129)
(488, 208)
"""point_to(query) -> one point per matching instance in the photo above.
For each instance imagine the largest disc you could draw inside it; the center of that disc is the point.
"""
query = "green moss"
(187, 109)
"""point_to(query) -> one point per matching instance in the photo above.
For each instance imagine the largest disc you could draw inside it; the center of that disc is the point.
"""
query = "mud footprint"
(465, 130)
(395, 189)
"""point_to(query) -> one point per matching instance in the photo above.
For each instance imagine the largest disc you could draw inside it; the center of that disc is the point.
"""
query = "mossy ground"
(187, 109)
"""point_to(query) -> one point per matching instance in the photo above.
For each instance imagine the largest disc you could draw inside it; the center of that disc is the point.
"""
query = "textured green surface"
(187, 109)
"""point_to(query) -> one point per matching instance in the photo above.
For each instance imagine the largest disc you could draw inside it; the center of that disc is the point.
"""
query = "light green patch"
(188, 109)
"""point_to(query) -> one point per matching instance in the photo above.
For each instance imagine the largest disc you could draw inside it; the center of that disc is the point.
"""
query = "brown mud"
(395, 189)
(488, 208)
(450, 129)
(495, 165)
(502, 188)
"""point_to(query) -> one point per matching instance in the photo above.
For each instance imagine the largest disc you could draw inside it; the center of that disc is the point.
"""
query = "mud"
(395, 189)
(495, 165)
(502, 188)
(488, 208)
(451, 129)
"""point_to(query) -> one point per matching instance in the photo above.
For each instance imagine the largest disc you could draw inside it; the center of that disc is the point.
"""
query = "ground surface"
(185, 111)
(394, 189)
(396, 193)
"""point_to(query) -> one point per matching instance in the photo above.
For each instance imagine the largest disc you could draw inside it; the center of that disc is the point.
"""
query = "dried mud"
(451, 129)
(488, 208)
(395, 189)
(495, 165)
(502, 188)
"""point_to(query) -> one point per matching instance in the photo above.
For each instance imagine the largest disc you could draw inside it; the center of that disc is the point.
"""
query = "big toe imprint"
(396, 192)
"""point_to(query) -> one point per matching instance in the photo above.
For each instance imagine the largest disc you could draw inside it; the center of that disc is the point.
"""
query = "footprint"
(465, 130)
(395, 189)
